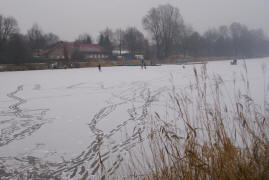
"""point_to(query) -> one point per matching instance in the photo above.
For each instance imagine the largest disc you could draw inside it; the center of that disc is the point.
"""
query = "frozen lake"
(60, 120)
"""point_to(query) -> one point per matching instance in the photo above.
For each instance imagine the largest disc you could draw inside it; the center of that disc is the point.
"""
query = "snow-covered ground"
(62, 120)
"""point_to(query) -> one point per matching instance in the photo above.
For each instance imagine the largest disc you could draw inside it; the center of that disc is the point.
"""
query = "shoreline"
(111, 63)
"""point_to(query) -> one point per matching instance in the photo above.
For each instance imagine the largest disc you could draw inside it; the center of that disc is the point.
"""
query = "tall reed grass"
(224, 135)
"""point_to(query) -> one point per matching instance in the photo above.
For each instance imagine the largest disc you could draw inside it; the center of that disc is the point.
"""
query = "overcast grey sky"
(69, 18)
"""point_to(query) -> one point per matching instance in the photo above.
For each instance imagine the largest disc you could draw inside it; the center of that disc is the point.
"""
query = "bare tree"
(238, 31)
(106, 40)
(134, 40)
(211, 36)
(17, 50)
(36, 38)
(8, 26)
(51, 39)
(118, 36)
(166, 26)
(110, 35)
(224, 32)
(185, 43)
(84, 38)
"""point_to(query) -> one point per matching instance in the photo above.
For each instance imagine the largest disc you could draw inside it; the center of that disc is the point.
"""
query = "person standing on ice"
(99, 67)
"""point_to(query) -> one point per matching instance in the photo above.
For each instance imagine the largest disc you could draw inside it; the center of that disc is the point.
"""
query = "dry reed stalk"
(225, 138)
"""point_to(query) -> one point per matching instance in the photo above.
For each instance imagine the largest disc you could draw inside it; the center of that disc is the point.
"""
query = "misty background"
(38, 31)
(69, 18)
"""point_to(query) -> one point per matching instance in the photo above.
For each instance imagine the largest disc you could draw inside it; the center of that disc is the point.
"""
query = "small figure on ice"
(234, 62)
(54, 65)
(143, 65)
(99, 67)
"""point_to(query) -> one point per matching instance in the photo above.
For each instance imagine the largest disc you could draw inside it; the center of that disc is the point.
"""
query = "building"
(122, 54)
(139, 56)
(90, 51)
(75, 51)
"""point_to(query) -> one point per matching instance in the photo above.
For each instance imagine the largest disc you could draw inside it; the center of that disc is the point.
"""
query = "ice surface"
(67, 117)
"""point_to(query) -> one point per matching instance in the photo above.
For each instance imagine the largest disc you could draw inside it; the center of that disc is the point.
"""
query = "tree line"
(172, 36)
(168, 35)
(16, 47)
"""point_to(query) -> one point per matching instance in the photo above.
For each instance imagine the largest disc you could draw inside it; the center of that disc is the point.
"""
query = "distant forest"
(169, 35)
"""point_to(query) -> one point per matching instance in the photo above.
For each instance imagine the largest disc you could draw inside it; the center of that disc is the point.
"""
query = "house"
(122, 54)
(90, 51)
(76, 50)
(139, 56)
(60, 51)
(40, 53)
